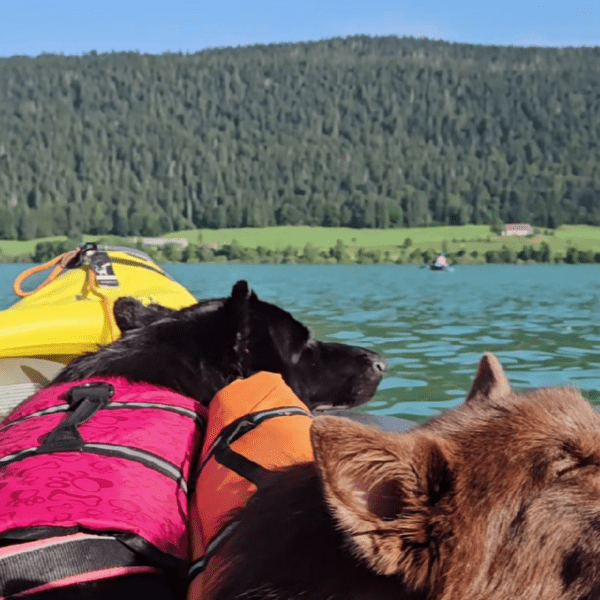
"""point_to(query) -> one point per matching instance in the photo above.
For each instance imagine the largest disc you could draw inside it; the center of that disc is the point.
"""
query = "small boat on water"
(440, 264)
(70, 313)
(437, 267)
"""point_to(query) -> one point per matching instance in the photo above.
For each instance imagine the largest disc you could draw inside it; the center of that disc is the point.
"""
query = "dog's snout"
(379, 365)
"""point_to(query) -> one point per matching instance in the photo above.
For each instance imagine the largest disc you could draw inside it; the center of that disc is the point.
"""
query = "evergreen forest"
(363, 132)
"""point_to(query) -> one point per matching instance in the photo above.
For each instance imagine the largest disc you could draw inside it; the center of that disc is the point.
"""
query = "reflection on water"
(432, 327)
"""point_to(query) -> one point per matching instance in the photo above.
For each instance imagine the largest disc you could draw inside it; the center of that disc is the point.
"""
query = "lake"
(542, 322)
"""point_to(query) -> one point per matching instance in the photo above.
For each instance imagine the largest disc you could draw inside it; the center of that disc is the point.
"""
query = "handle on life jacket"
(84, 400)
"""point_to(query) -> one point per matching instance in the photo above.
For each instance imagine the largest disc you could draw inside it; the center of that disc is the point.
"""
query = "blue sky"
(75, 27)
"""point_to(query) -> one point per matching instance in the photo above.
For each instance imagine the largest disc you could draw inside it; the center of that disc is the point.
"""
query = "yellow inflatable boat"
(71, 313)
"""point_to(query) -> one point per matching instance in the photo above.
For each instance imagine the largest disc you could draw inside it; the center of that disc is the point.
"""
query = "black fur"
(125, 587)
(303, 554)
(198, 350)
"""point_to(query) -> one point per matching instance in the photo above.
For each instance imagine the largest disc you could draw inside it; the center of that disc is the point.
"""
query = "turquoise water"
(542, 322)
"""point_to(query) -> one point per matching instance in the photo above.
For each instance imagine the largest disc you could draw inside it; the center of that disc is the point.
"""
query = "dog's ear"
(126, 312)
(131, 313)
(241, 290)
(490, 381)
(241, 295)
(383, 490)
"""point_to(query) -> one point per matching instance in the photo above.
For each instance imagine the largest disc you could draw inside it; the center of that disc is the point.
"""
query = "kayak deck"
(71, 314)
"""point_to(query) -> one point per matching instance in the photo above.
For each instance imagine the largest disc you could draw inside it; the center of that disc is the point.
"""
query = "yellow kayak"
(71, 313)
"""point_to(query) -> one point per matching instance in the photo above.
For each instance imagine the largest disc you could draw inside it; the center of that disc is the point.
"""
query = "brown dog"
(497, 499)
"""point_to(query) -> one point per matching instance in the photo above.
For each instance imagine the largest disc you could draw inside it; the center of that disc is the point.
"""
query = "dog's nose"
(377, 362)
(379, 365)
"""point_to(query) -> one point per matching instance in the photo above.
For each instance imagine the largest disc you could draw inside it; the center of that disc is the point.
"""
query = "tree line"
(341, 253)
(359, 132)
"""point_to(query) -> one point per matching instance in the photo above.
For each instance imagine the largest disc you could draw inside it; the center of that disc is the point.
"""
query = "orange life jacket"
(254, 424)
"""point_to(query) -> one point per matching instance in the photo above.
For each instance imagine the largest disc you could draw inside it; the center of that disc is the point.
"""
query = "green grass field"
(323, 237)
(469, 237)
(15, 247)
(453, 239)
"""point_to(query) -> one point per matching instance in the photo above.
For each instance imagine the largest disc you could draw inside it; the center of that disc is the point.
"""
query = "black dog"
(198, 350)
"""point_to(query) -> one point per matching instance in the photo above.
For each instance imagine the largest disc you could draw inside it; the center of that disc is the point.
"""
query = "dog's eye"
(573, 459)
(566, 468)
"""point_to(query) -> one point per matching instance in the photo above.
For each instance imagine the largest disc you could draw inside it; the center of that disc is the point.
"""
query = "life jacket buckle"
(96, 392)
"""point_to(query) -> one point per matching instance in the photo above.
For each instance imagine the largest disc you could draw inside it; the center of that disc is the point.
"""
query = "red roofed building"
(517, 229)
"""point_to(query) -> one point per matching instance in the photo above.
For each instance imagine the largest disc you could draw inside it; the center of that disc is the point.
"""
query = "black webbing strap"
(241, 465)
(100, 263)
(58, 558)
(84, 400)
(221, 448)
(200, 564)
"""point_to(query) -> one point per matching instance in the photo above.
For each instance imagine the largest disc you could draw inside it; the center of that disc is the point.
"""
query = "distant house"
(517, 229)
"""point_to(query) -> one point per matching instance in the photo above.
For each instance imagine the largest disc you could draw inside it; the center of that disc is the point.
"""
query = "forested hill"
(360, 132)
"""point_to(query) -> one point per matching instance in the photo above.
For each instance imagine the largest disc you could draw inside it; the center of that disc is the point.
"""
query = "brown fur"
(498, 499)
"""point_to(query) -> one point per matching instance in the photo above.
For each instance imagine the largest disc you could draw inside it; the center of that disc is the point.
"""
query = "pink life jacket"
(96, 460)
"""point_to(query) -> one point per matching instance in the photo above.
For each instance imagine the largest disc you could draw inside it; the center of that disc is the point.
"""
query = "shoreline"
(464, 245)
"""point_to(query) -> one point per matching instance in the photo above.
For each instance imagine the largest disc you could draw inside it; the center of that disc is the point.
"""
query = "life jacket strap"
(221, 447)
(241, 465)
(200, 419)
(65, 558)
(198, 566)
(152, 461)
